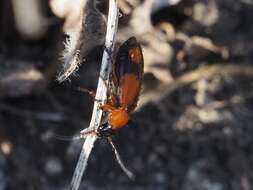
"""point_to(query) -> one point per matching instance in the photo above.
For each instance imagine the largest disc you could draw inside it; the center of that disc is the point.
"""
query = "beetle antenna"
(121, 164)
(68, 138)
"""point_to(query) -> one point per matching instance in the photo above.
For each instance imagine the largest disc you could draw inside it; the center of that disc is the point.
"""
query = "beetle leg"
(89, 92)
(121, 164)
(106, 107)
(87, 131)
(113, 99)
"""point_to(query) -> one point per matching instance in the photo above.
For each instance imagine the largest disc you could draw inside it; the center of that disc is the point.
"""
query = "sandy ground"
(192, 129)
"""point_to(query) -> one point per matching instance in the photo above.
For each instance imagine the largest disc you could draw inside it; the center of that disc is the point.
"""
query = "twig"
(81, 42)
(100, 94)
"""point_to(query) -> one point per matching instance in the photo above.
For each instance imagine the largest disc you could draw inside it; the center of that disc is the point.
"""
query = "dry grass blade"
(82, 162)
(100, 94)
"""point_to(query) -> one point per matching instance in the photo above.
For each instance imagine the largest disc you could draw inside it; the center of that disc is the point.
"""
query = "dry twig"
(82, 40)
(100, 94)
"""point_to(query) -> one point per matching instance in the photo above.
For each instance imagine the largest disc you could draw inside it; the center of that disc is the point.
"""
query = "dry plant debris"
(101, 94)
(84, 37)
(200, 128)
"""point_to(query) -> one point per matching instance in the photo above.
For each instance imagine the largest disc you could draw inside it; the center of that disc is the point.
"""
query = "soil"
(191, 130)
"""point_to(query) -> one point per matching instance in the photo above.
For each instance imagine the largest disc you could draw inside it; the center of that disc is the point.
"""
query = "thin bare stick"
(82, 162)
(121, 164)
(100, 94)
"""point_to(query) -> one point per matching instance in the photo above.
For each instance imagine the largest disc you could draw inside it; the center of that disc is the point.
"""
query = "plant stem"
(101, 94)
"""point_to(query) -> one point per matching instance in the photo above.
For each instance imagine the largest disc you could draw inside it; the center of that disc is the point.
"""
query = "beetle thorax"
(118, 118)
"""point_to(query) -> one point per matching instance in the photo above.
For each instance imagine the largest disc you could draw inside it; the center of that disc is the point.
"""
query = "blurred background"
(192, 129)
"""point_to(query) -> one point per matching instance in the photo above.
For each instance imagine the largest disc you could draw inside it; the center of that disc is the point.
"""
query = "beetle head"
(105, 130)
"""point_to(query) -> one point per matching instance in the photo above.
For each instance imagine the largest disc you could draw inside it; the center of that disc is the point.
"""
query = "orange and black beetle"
(124, 87)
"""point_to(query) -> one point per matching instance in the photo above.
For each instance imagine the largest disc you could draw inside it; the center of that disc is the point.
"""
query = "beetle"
(123, 91)
(124, 87)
